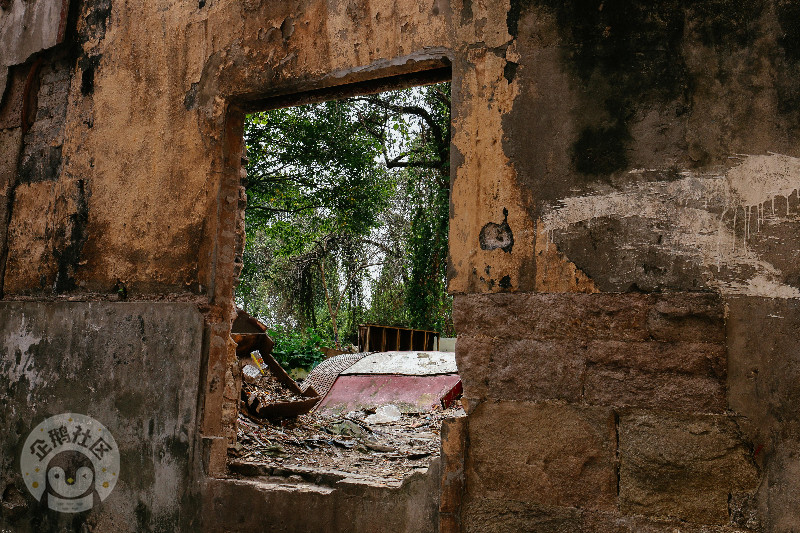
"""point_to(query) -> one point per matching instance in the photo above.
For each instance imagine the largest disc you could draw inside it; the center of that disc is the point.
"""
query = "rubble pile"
(263, 389)
(384, 447)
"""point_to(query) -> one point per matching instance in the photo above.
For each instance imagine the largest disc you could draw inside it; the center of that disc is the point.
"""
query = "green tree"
(347, 202)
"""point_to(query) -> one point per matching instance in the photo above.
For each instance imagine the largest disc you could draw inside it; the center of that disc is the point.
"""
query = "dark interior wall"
(130, 366)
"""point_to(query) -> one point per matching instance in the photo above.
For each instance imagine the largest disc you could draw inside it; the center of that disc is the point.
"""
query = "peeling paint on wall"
(20, 363)
(714, 219)
(760, 179)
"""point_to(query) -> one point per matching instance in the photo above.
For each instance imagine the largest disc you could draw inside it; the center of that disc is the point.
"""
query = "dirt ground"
(387, 452)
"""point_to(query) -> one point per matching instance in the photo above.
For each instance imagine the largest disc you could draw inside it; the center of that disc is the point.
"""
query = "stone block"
(764, 361)
(522, 369)
(453, 454)
(454, 442)
(684, 317)
(700, 358)
(542, 453)
(626, 387)
(687, 317)
(779, 494)
(685, 376)
(553, 316)
(530, 370)
(594, 522)
(472, 356)
(682, 466)
(688, 376)
(510, 516)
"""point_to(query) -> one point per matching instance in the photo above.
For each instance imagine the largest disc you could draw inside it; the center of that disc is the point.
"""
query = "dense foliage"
(296, 348)
(347, 214)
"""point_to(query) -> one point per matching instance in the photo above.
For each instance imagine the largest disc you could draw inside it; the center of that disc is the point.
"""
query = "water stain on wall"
(716, 222)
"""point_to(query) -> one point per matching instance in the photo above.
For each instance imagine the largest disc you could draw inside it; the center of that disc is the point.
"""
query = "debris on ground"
(266, 389)
(389, 451)
(382, 440)
(385, 414)
(251, 374)
(268, 393)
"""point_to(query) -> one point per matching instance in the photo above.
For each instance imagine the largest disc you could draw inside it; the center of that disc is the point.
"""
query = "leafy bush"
(297, 349)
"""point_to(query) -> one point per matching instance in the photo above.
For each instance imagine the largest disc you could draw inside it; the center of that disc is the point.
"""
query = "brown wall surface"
(623, 240)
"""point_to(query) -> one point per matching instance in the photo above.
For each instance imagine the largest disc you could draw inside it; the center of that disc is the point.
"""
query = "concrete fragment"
(384, 415)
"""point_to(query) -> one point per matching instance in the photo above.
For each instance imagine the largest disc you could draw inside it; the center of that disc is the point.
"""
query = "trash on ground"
(251, 374)
(267, 390)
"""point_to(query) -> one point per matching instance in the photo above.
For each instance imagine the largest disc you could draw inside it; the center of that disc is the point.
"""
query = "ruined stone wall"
(623, 242)
(651, 161)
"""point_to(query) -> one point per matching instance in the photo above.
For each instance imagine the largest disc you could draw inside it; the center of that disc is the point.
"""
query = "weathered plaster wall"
(623, 238)
(131, 366)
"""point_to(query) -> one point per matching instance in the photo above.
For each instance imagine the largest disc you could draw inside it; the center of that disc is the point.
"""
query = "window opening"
(346, 238)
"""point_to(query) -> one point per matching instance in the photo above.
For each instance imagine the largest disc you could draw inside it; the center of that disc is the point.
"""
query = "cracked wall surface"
(623, 237)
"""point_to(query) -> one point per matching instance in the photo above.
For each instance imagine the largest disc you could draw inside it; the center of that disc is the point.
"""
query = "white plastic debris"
(385, 414)
(250, 374)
